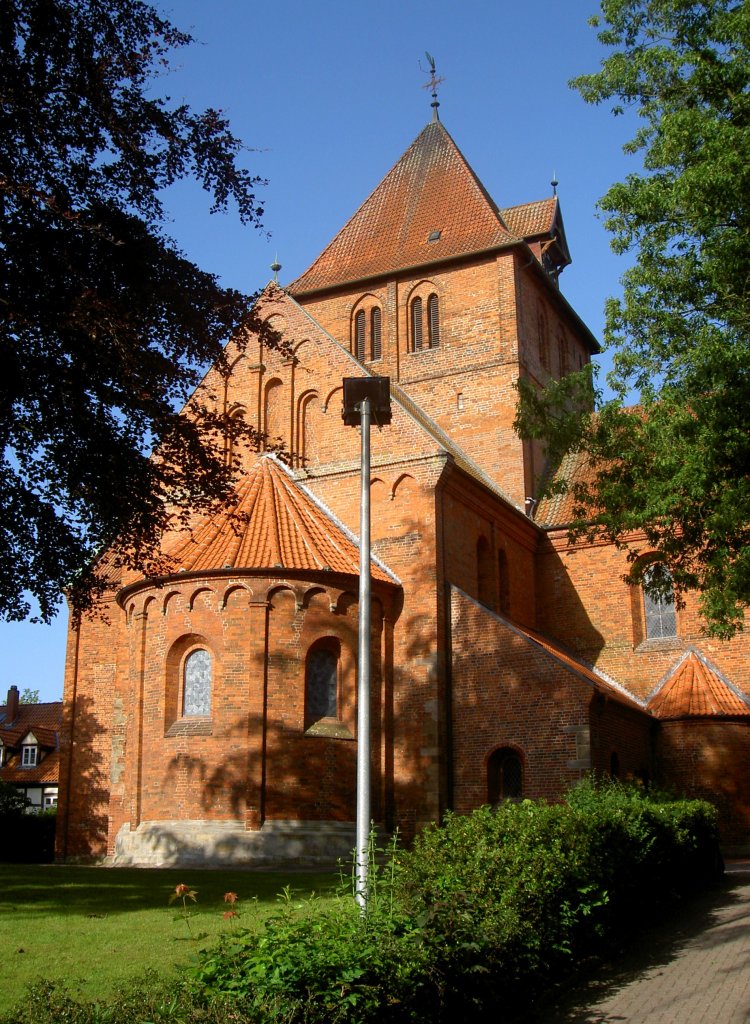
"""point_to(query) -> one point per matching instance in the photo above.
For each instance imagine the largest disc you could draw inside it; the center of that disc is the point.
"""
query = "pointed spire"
(554, 183)
(276, 267)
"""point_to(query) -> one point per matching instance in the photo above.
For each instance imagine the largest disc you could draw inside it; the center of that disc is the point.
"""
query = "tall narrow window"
(504, 776)
(416, 325)
(359, 335)
(658, 602)
(375, 333)
(433, 321)
(321, 682)
(197, 673)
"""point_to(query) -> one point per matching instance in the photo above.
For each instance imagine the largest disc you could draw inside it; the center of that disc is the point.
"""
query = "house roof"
(44, 721)
(430, 189)
(31, 717)
(696, 689)
(273, 523)
(47, 771)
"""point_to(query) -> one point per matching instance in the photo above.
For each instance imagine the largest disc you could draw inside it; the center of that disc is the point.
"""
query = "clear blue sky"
(329, 95)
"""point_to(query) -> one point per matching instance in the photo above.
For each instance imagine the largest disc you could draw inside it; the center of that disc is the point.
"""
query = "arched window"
(433, 321)
(658, 602)
(376, 349)
(416, 325)
(322, 681)
(359, 335)
(484, 572)
(504, 776)
(197, 675)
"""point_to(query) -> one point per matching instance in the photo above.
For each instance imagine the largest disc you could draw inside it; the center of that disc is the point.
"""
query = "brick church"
(210, 717)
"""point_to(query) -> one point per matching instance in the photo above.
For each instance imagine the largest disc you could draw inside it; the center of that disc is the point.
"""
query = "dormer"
(29, 751)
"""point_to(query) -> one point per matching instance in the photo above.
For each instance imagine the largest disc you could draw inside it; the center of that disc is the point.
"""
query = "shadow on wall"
(83, 802)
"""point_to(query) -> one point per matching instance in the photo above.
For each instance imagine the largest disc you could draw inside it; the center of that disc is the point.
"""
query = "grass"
(96, 928)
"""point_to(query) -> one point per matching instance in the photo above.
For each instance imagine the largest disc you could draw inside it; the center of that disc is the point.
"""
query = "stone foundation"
(227, 843)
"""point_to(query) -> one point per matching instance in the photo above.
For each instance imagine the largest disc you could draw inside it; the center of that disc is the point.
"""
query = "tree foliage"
(105, 326)
(670, 476)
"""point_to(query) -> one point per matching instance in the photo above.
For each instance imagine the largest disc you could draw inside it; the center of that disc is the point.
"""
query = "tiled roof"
(274, 523)
(603, 683)
(430, 189)
(696, 688)
(48, 770)
(30, 717)
(531, 219)
(44, 721)
(556, 510)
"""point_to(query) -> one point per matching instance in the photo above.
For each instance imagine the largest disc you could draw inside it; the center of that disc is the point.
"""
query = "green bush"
(483, 913)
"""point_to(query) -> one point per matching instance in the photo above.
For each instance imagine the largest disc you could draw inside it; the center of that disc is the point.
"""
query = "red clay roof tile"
(696, 689)
(531, 219)
(275, 523)
(431, 188)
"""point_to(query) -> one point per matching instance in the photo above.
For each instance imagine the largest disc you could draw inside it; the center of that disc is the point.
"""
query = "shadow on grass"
(38, 889)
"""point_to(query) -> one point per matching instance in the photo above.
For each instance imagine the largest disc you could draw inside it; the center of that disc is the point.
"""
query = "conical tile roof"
(430, 189)
(274, 523)
(696, 689)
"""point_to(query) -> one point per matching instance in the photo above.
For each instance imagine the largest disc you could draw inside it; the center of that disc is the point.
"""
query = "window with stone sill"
(322, 690)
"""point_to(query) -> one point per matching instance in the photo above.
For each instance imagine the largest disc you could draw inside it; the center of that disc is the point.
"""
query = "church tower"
(454, 298)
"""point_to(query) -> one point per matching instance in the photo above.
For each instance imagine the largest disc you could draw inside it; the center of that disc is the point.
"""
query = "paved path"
(693, 970)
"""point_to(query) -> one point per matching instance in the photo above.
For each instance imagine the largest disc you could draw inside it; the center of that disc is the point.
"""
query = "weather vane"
(433, 83)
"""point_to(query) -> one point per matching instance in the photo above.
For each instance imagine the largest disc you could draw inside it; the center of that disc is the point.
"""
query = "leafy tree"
(670, 476)
(29, 696)
(105, 326)
(12, 801)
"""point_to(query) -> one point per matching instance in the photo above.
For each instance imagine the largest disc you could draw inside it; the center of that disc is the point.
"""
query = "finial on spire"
(276, 267)
(554, 183)
(433, 83)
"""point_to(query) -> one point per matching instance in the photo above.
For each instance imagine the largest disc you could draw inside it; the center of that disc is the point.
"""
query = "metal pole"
(363, 669)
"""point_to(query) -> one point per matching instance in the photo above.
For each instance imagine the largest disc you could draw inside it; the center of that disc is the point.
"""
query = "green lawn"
(97, 927)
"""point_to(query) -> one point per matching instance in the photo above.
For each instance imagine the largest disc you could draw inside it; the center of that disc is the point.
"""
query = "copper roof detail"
(272, 523)
(431, 188)
(696, 689)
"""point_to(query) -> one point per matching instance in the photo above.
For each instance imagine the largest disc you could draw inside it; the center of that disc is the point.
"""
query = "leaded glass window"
(197, 677)
(658, 602)
(322, 684)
